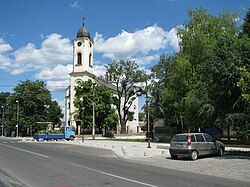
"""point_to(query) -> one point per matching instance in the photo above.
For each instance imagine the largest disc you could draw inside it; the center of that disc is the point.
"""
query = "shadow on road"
(227, 155)
(235, 154)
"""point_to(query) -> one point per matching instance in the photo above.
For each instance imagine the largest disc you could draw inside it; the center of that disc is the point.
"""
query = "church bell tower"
(83, 51)
(82, 71)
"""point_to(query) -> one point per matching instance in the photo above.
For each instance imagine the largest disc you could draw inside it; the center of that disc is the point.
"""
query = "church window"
(90, 45)
(79, 58)
(79, 44)
(110, 78)
(90, 60)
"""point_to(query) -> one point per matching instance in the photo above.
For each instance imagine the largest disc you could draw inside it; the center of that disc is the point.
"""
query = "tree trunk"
(228, 132)
(164, 115)
(181, 122)
(123, 127)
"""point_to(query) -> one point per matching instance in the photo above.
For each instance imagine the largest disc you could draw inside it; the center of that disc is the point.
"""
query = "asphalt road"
(62, 165)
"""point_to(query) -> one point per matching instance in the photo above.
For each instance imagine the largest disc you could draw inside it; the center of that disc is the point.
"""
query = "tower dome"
(83, 32)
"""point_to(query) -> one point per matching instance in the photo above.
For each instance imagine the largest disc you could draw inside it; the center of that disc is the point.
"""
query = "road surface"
(62, 165)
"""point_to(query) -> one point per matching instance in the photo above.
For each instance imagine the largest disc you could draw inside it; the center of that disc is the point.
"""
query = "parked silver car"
(195, 145)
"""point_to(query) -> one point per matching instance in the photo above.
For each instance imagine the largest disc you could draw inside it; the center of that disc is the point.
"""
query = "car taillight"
(189, 140)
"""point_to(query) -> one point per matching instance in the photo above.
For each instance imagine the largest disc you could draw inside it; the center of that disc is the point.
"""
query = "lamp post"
(2, 120)
(82, 121)
(93, 126)
(148, 123)
(17, 117)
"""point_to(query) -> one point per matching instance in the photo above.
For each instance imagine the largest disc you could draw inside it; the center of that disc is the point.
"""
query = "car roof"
(190, 133)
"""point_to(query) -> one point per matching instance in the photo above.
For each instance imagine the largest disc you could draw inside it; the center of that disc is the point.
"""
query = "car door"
(211, 149)
(201, 144)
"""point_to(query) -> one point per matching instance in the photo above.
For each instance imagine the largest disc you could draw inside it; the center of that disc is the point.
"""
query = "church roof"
(83, 32)
(100, 81)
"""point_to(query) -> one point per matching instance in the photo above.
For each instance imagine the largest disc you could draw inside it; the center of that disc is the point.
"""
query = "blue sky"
(36, 35)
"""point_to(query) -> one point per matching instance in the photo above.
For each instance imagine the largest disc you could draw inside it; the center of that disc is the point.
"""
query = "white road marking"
(112, 175)
(25, 150)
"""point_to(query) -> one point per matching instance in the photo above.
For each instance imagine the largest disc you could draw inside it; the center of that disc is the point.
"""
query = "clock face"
(79, 44)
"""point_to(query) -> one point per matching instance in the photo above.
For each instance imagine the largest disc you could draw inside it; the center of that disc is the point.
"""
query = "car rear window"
(182, 138)
(199, 138)
(208, 138)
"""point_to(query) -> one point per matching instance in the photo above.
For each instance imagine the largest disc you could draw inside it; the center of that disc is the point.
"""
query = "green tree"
(86, 94)
(174, 79)
(127, 76)
(3, 109)
(207, 82)
(35, 105)
(246, 24)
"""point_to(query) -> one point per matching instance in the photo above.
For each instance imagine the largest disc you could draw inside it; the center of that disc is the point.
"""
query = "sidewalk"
(125, 149)
(130, 150)
(233, 167)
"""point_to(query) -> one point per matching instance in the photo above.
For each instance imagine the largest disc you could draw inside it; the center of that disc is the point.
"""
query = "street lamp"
(2, 120)
(82, 121)
(17, 116)
(93, 126)
(148, 123)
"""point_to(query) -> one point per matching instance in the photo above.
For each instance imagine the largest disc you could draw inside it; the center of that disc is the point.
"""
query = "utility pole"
(82, 121)
(17, 117)
(148, 123)
(2, 120)
(93, 126)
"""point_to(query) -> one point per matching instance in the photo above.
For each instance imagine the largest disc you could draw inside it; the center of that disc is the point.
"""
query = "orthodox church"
(83, 50)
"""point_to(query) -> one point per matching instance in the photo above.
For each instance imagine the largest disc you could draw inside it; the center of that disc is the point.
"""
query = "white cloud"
(127, 45)
(42, 36)
(5, 62)
(61, 104)
(144, 60)
(57, 78)
(4, 47)
(60, 72)
(54, 50)
(75, 5)
(173, 39)
(57, 84)
(99, 70)
(51, 60)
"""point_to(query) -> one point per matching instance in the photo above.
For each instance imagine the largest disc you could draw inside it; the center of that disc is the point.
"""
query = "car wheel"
(71, 138)
(220, 151)
(194, 155)
(174, 156)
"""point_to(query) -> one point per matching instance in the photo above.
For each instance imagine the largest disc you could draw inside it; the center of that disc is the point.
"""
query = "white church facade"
(83, 50)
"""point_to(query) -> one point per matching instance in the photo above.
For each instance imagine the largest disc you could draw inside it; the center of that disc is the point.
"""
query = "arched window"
(90, 60)
(79, 58)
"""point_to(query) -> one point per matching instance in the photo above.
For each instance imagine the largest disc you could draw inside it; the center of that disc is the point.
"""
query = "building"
(83, 50)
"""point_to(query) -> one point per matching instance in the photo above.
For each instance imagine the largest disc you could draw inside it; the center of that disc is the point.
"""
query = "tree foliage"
(102, 97)
(35, 105)
(246, 24)
(207, 81)
(127, 76)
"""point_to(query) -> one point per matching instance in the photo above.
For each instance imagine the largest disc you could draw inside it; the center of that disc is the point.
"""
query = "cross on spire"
(83, 21)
